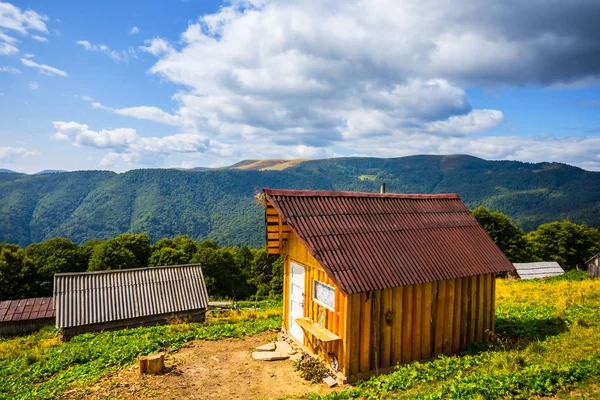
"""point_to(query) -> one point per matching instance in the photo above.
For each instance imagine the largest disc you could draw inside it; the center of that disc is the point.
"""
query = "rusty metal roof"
(85, 298)
(372, 241)
(26, 309)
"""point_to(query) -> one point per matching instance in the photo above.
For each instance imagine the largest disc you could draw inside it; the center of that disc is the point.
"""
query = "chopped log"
(152, 364)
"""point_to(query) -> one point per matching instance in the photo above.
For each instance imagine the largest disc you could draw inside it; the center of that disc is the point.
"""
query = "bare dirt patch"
(211, 370)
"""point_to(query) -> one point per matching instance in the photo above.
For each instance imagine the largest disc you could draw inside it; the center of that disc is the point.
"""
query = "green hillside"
(218, 204)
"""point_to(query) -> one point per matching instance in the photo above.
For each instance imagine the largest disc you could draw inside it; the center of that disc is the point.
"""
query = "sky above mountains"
(122, 85)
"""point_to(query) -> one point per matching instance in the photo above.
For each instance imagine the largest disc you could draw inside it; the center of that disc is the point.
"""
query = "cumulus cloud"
(11, 154)
(149, 113)
(270, 78)
(134, 31)
(102, 48)
(127, 146)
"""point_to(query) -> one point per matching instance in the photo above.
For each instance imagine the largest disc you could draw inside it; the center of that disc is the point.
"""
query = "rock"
(329, 381)
(152, 364)
(266, 347)
(296, 357)
(285, 348)
(269, 355)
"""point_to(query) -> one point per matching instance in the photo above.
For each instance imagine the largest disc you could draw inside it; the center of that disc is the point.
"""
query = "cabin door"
(296, 300)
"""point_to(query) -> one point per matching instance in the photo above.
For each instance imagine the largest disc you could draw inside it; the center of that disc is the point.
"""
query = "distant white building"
(541, 269)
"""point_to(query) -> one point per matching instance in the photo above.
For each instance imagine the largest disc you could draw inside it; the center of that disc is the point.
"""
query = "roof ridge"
(328, 193)
(115, 271)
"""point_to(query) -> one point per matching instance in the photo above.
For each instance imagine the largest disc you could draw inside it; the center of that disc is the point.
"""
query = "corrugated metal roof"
(372, 241)
(96, 297)
(26, 309)
(538, 269)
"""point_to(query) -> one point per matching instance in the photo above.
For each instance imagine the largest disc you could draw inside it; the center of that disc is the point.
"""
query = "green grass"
(548, 335)
(40, 366)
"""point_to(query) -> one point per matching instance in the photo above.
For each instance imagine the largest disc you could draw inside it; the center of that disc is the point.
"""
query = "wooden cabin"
(127, 298)
(374, 280)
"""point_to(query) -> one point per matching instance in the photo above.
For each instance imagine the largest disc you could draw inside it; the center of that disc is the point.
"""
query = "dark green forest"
(218, 204)
(231, 272)
(243, 272)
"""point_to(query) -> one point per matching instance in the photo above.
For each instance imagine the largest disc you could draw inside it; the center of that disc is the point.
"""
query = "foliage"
(572, 275)
(569, 244)
(16, 273)
(54, 256)
(509, 238)
(219, 205)
(311, 369)
(40, 366)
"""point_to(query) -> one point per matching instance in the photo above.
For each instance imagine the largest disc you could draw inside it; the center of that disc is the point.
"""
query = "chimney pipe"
(382, 189)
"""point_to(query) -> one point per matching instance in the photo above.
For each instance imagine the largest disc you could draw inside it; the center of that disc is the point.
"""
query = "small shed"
(374, 280)
(593, 266)
(109, 300)
(18, 317)
(541, 269)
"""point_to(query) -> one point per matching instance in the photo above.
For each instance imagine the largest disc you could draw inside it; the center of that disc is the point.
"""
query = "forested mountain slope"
(219, 204)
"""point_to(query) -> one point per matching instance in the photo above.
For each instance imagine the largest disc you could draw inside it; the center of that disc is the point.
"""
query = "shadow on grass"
(529, 329)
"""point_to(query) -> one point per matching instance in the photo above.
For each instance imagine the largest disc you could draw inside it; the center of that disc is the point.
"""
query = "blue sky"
(122, 85)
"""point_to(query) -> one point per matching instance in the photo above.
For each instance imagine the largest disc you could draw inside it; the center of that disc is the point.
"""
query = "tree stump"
(152, 364)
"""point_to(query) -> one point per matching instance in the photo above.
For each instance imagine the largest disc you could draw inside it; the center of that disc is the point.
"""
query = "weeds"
(40, 366)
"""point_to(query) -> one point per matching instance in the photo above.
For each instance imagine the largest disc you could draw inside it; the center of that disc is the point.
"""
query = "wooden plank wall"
(295, 251)
(416, 322)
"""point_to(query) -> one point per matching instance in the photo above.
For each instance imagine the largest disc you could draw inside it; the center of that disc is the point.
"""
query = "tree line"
(571, 245)
(244, 272)
(232, 272)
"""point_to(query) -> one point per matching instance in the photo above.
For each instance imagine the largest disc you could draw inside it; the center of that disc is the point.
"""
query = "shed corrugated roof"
(373, 241)
(26, 309)
(96, 297)
(538, 269)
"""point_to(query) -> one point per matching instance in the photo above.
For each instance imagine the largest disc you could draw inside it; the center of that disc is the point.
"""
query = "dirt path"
(221, 369)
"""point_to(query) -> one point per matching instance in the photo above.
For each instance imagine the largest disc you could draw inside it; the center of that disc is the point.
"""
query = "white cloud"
(28, 55)
(149, 113)
(10, 70)
(45, 69)
(475, 122)
(7, 49)
(11, 154)
(128, 147)
(134, 31)
(12, 18)
(102, 48)
(156, 46)
(81, 135)
(33, 85)
(39, 38)
(8, 39)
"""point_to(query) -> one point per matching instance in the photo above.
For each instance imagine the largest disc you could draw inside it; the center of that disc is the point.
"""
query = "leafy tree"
(179, 250)
(16, 273)
(112, 255)
(277, 277)
(54, 256)
(509, 238)
(168, 256)
(138, 244)
(569, 244)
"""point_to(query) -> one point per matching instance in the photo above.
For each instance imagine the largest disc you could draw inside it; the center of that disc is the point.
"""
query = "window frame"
(314, 294)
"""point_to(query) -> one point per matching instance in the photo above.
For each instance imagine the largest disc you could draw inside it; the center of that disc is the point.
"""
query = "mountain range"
(219, 203)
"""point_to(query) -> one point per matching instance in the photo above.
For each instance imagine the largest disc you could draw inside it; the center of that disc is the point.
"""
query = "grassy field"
(40, 366)
(548, 344)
